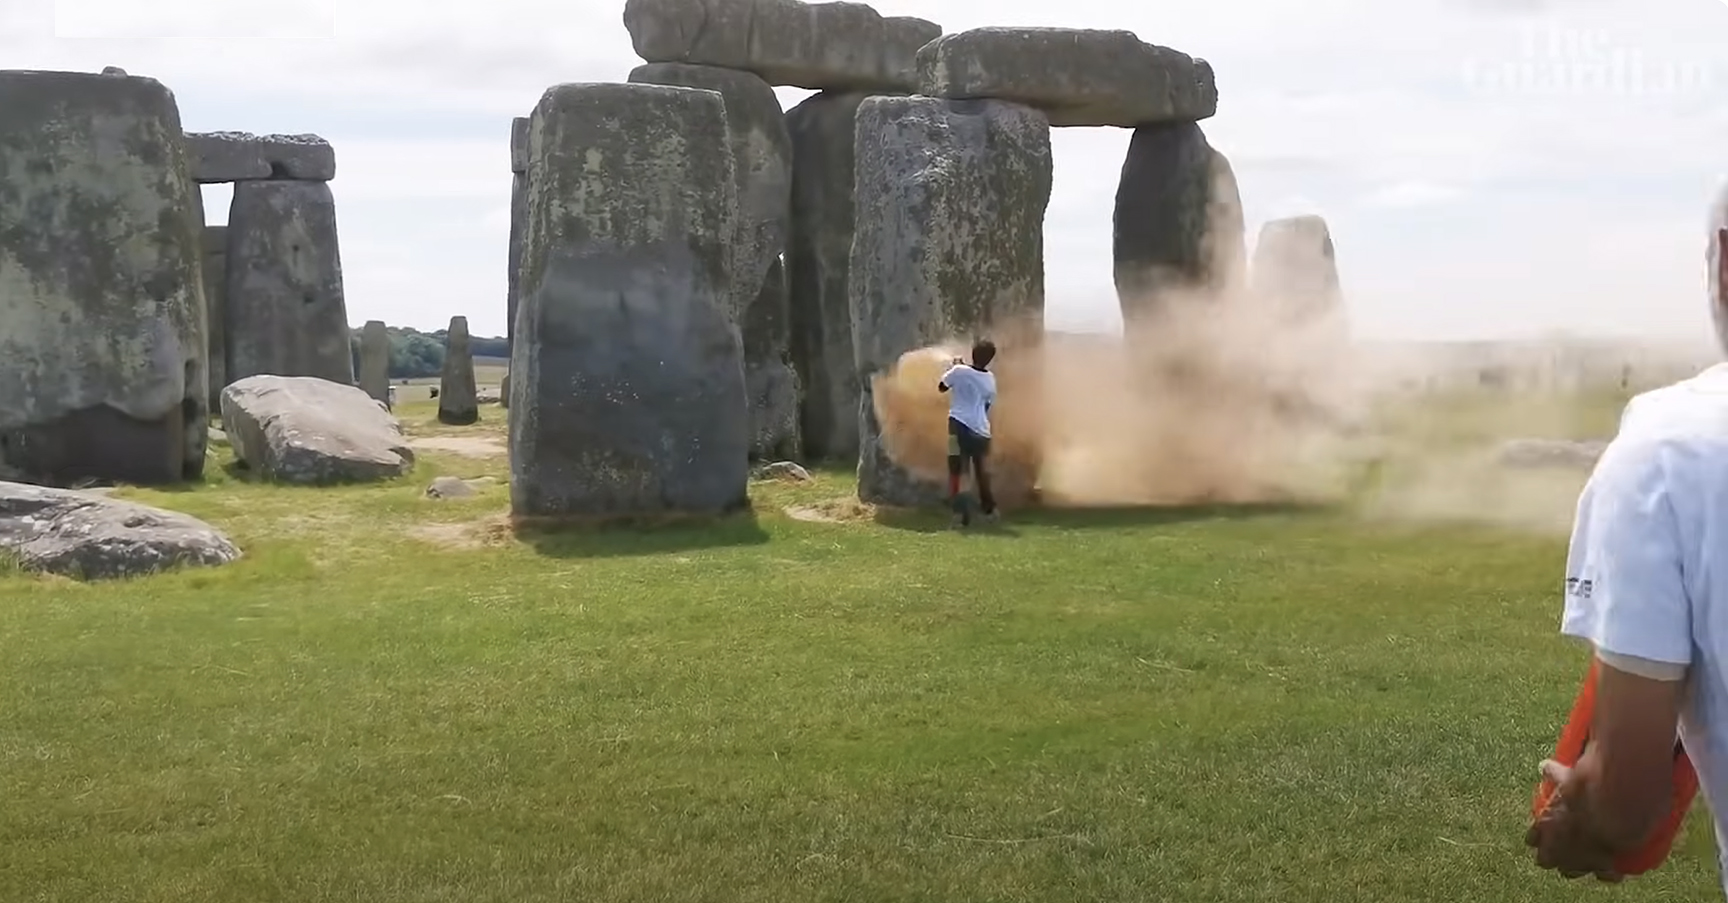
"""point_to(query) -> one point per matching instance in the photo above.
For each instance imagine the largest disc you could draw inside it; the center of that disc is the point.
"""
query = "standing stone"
(768, 372)
(102, 321)
(518, 224)
(216, 308)
(761, 164)
(1178, 221)
(375, 360)
(1296, 269)
(818, 257)
(949, 243)
(821, 46)
(458, 398)
(286, 312)
(628, 375)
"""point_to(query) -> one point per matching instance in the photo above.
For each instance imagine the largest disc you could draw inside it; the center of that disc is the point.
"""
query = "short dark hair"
(983, 352)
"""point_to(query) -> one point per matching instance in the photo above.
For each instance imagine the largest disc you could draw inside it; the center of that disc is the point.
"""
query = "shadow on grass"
(629, 537)
(1110, 517)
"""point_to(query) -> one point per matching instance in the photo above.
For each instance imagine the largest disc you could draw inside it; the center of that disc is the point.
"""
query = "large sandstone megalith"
(1296, 270)
(1076, 76)
(820, 46)
(518, 220)
(628, 371)
(769, 376)
(818, 257)
(761, 162)
(102, 320)
(375, 360)
(1178, 222)
(215, 264)
(287, 315)
(949, 243)
(458, 398)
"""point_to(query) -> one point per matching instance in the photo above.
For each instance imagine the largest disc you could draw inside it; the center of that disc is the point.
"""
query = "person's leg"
(956, 464)
(981, 476)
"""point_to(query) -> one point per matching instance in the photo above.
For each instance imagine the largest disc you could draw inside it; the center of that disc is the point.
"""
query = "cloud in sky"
(1489, 167)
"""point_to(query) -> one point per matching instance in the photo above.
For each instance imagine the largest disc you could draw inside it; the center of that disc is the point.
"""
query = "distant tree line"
(415, 354)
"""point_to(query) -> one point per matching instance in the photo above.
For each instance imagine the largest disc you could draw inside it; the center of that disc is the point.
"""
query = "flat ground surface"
(395, 699)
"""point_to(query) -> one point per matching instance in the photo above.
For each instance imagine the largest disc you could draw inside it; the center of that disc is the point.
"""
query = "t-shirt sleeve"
(1625, 587)
(947, 380)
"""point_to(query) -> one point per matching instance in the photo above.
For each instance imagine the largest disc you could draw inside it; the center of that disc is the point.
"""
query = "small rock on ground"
(785, 471)
(449, 488)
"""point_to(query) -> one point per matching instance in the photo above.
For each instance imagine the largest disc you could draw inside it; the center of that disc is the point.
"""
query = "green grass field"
(395, 699)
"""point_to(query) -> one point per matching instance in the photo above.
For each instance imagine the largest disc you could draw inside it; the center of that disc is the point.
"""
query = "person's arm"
(944, 383)
(1626, 597)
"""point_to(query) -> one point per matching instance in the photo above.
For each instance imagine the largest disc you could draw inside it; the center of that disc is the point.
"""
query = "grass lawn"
(393, 699)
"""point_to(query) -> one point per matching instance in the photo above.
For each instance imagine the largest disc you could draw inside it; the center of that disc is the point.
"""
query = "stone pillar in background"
(628, 371)
(375, 360)
(1178, 230)
(458, 398)
(287, 315)
(951, 196)
(102, 320)
(518, 225)
(215, 269)
(818, 256)
(762, 170)
(1296, 270)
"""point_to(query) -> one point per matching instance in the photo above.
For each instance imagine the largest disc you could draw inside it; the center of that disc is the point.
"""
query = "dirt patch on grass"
(489, 531)
(832, 511)
(467, 446)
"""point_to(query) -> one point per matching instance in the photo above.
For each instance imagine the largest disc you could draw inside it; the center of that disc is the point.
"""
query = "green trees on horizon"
(416, 355)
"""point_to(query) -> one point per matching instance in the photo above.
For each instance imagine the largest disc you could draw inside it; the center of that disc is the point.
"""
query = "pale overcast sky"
(1490, 168)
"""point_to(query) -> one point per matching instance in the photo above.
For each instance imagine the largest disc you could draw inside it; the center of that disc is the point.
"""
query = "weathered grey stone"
(375, 360)
(518, 228)
(768, 373)
(628, 393)
(216, 308)
(818, 257)
(783, 471)
(287, 315)
(309, 431)
(458, 398)
(761, 164)
(504, 391)
(519, 144)
(87, 536)
(838, 46)
(113, 70)
(1178, 220)
(242, 157)
(1296, 269)
(445, 488)
(1076, 76)
(951, 196)
(102, 320)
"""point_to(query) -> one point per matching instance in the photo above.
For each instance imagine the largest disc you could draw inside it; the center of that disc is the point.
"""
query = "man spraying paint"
(1647, 590)
(971, 392)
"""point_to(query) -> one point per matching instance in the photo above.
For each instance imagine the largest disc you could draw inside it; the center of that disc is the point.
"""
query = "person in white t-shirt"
(1647, 589)
(971, 392)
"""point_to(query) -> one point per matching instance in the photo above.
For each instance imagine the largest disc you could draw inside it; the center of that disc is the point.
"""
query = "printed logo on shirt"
(1578, 587)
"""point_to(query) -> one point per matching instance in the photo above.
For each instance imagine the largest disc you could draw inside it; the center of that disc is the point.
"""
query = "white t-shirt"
(970, 393)
(1647, 571)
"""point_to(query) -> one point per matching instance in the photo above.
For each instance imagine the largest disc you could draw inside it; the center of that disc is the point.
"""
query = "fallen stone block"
(88, 536)
(1076, 76)
(103, 348)
(629, 391)
(243, 157)
(308, 431)
(838, 46)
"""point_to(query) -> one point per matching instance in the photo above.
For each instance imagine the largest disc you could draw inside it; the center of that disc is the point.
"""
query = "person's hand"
(1562, 837)
(958, 361)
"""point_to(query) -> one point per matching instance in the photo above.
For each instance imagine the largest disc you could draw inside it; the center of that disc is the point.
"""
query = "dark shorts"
(964, 443)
